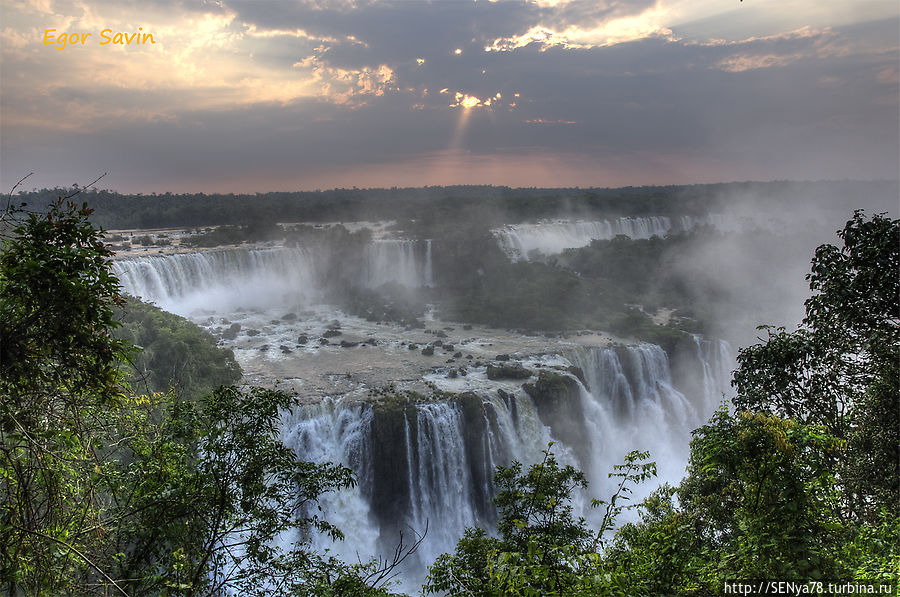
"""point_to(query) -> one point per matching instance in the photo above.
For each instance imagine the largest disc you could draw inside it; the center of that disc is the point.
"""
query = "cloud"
(648, 23)
(296, 93)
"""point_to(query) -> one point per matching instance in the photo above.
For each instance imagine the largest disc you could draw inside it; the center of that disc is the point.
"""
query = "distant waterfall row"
(518, 241)
(222, 279)
(431, 463)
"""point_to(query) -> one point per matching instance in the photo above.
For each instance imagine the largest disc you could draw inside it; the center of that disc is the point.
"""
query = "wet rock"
(274, 321)
(577, 372)
(303, 339)
(467, 327)
(371, 341)
(449, 347)
(438, 343)
(232, 332)
(413, 346)
(346, 344)
(516, 371)
(558, 401)
(428, 351)
(324, 341)
(330, 333)
(263, 348)
(469, 357)
(501, 357)
(289, 317)
(252, 332)
(452, 374)
(440, 334)
(457, 355)
(390, 465)
(334, 325)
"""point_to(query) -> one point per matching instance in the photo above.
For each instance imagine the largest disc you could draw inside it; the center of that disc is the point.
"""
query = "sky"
(262, 95)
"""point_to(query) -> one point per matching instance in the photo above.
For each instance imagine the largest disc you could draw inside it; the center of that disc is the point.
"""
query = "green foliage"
(763, 486)
(663, 553)
(58, 379)
(840, 369)
(462, 203)
(690, 274)
(527, 295)
(175, 353)
(543, 549)
(229, 489)
(56, 303)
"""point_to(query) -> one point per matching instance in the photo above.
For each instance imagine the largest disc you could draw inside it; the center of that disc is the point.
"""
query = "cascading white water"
(220, 280)
(717, 362)
(519, 241)
(223, 280)
(440, 477)
(429, 272)
(392, 260)
(631, 403)
(333, 432)
(629, 387)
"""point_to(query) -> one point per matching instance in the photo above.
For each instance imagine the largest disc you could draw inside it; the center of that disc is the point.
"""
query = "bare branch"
(87, 186)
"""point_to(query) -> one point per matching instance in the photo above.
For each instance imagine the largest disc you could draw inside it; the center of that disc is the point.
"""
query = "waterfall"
(447, 454)
(717, 362)
(440, 477)
(631, 403)
(338, 433)
(429, 273)
(432, 463)
(518, 241)
(400, 261)
(232, 279)
(219, 280)
(547, 237)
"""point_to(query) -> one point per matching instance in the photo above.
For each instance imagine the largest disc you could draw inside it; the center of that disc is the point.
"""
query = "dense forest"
(435, 206)
(127, 467)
